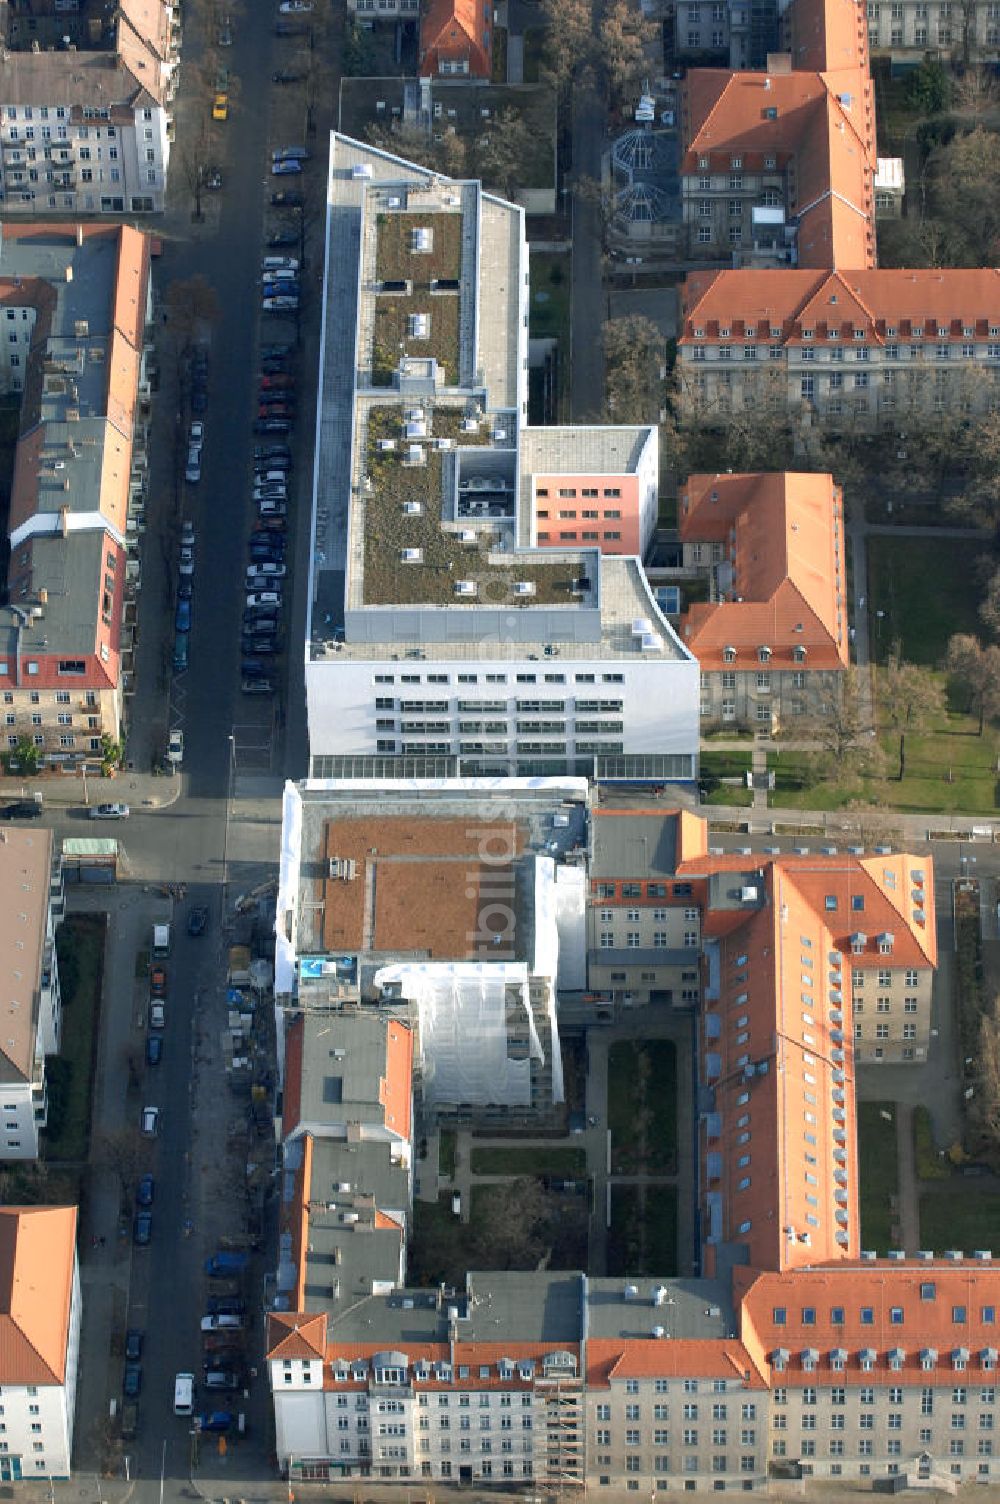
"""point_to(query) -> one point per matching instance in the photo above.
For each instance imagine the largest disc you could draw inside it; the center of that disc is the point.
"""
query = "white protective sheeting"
(288, 892)
(462, 1012)
(571, 923)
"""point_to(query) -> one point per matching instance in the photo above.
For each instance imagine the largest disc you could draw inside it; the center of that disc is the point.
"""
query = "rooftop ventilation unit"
(413, 508)
(385, 446)
(524, 587)
(415, 455)
(361, 170)
(465, 587)
(412, 555)
(468, 537)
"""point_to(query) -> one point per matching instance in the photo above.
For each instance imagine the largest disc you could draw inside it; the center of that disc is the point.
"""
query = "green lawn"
(80, 950)
(642, 1238)
(529, 1159)
(549, 281)
(642, 1106)
(963, 1219)
(447, 1144)
(951, 770)
(878, 1173)
(714, 766)
(534, 48)
(923, 586)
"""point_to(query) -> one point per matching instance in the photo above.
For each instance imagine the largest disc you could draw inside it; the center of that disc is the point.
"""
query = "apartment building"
(75, 301)
(456, 39)
(865, 347)
(597, 486)
(84, 123)
(772, 639)
(917, 29)
(643, 923)
(442, 903)
(31, 906)
(778, 168)
(437, 630)
(40, 1314)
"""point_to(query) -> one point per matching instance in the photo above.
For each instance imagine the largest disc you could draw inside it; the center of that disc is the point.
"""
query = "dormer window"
(943, 331)
(770, 163)
(799, 654)
(807, 334)
(858, 943)
(859, 334)
(891, 331)
(702, 164)
(774, 333)
(736, 163)
(724, 333)
(699, 334)
(885, 943)
(729, 655)
(763, 655)
(994, 331)
(967, 331)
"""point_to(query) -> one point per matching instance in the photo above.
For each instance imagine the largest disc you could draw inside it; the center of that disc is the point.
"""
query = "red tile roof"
(804, 306)
(295, 1334)
(456, 31)
(909, 1320)
(780, 533)
(611, 1360)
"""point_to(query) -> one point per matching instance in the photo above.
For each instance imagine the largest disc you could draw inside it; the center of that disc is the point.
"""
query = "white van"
(184, 1394)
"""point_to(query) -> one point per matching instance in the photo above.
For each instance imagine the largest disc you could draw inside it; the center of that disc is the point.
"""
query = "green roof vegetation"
(393, 338)
(396, 260)
(446, 559)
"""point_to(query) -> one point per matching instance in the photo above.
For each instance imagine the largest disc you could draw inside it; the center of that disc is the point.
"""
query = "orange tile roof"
(396, 1088)
(910, 304)
(37, 1264)
(922, 1313)
(815, 125)
(828, 34)
(456, 30)
(296, 1334)
(777, 1042)
(610, 1359)
(780, 531)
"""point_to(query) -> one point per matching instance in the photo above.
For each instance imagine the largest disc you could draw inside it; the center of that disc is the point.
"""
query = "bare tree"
(498, 158)
(910, 700)
(633, 359)
(977, 669)
(569, 40)
(191, 306)
(842, 736)
(122, 1151)
(626, 38)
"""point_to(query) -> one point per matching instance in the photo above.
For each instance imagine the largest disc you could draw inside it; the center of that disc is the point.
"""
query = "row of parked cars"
(261, 635)
(184, 609)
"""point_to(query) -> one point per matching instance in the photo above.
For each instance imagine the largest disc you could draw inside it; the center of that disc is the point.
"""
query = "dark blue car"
(182, 616)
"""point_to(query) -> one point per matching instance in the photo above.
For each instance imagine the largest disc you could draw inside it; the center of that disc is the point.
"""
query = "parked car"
(290, 154)
(272, 425)
(227, 1323)
(157, 1015)
(22, 809)
(182, 615)
(154, 1049)
(145, 1190)
(254, 668)
(213, 181)
(222, 1380)
(213, 1420)
(262, 647)
(266, 572)
(268, 396)
(226, 1305)
(287, 199)
(225, 37)
(283, 167)
(199, 396)
(198, 920)
(280, 304)
(261, 538)
(175, 747)
(279, 263)
(257, 687)
(132, 1380)
(181, 651)
(274, 465)
(109, 812)
(264, 598)
(186, 564)
(220, 107)
(260, 554)
(192, 472)
(185, 588)
(286, 76)
(133, 1344)
(274, 524)
(196, 435)
(142, 1229)
(130, 1421)
(157, 979)
(270, 508)
(277, 381)
(270, 452)
(150, 1121)
(268, 352)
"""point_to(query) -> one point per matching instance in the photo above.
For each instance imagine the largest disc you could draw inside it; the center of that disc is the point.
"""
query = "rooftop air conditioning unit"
(465, 587)
(412, 555)
(468, 537)
(412, 508)
(385, 446)
(524, 587)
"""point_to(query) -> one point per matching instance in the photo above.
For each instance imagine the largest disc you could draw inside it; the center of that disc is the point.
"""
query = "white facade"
(83, 161)
(23, 1095)
(507, 715)
(38, 1419)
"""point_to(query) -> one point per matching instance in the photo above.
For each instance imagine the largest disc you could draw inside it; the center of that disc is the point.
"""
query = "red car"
(158, 980)
(278, 380)
(275, 410)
